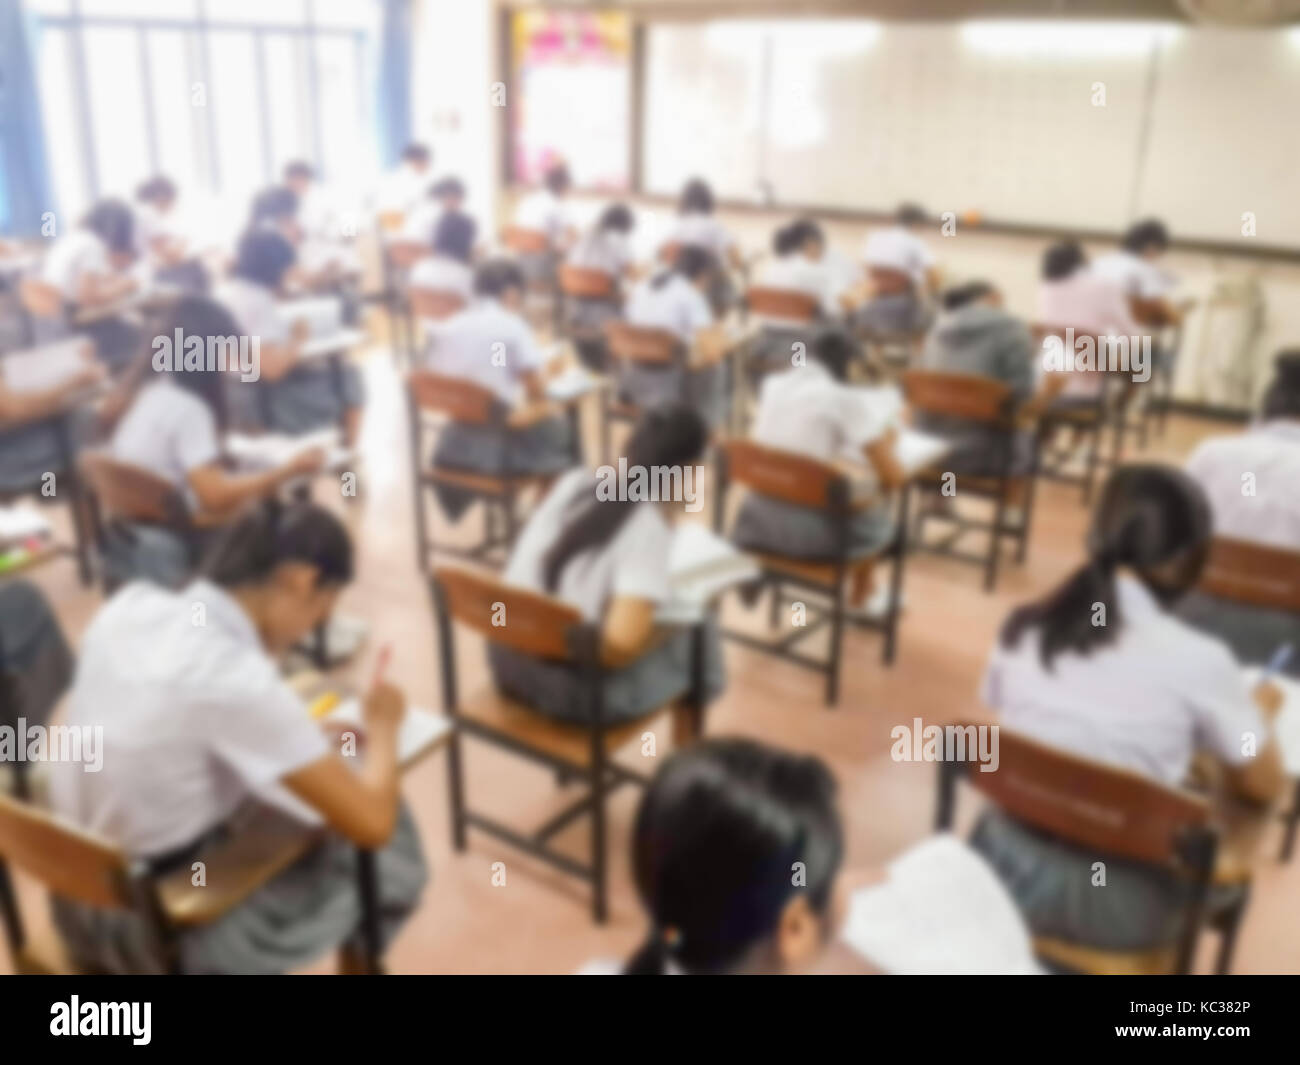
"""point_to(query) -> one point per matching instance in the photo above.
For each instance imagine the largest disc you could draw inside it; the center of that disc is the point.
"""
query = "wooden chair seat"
(43, 954)
(820, 572)
(570, 743)
(1156, 961)
(984, 486)
(486, 484)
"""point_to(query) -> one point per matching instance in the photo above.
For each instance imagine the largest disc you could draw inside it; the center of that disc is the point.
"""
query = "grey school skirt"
(117, 341)
(148, 553)
(544, 448)
(309, 909)
(898, 314)
(1254, 633)
(977, 451)
(774, 526)
(28, 452)
(306, 399)
(33, 650)
(664, 674)
(703, 389)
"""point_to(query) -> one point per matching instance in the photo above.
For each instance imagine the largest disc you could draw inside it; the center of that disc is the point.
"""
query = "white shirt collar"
(1135, 598)
(224, 610)
(1285, 428)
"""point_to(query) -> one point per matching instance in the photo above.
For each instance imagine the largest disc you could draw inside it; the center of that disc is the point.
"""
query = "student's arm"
(218, 490)
(30, 406)
(279, 357)
(362, 806)
(1262, 778)
(628, 630)
(100, 290)
(880, 453)
(1232, 722)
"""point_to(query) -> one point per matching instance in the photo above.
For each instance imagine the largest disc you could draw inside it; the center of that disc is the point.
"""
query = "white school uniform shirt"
(1086, 301)
(422, 222)
(898, 248)
(806, 411)
(801, 274)
(602, 250)
(1135, 276)
(633, 565)
(254, 308)
(677, 306)
(195, 719)
(402, 189)
(465, 344)
(78, 255)
(702, 231)
(444, 274)
(152, 225)
(543, 210)
(1146, 702)
(169, 432)
(1270, 451)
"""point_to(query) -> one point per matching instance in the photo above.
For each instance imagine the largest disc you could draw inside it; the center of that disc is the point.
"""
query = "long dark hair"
(717, 836)
(1062, 259)
(692, 263)
(263, 257)
(669, 435)
(1150, 518)
(1282, 400)
(696, 198)
(270, 534)
(113, 222)
(196, 316)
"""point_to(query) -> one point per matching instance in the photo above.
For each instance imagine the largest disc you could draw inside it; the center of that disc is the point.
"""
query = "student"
(91, 268)
(696, 226)
(314, 217)
(197, 724)
(1141, 692)
(449, 268)
(901, 278)
(446, 195)
(276, 209)
(292, 396)
(1134, 267)
(402, 189)
(491, 345)
(547, 209)
(809, 410)
(717, 835)
(1253, 478)
(604, 248)
(609, 559)
(675, 300)
(31, 444)
(975, 336)
(799, 266)
(35, 661)
(158, 239)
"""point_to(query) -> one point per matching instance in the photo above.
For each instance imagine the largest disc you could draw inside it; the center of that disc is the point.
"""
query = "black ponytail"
(249, 550)
(1154, 520)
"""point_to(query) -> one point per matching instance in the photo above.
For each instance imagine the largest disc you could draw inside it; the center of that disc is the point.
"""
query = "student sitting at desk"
(1141, 691)
(609, 559)
(1134, 267)
(447, 195)
(34, 655)
(294, 395)
(675, 300)
(547, 210)
(159, 240)
(403, 188)
(91, 268)
(800, 266)
(491, 345)
(449, 268)
(697, 226)
(315, 267)
(810, 410)
(31, 444)
(604, 248)
(901, 278)
(174, 428)
(197, 723)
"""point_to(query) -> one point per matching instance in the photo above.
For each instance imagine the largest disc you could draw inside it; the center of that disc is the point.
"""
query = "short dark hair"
(448, 186)
(250, 549)
(454, 236)
(836, 351)
(416, 153)
(616, 218)
(792, 237)
(114, 223)
(1062, 260)
(909, 214)
(263, 257)
(959, 296)
(299, 169)
(496, 277)
(279, 201)
(696, 198)
(1282, 399)
(156, 189)
(1149, 233)
(557, 178)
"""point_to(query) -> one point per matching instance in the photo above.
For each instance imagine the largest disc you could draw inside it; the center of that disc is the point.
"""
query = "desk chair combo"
(1116, 814)
(580, 285)
(533, 248)
(399, 256)
(890, 350)
(545, 628)
(802, 481)
(642, 348)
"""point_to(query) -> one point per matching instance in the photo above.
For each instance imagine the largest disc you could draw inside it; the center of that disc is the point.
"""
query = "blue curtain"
(393, 85)
(25, 191)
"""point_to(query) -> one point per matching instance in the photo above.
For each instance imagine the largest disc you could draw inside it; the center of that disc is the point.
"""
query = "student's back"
(168, 431)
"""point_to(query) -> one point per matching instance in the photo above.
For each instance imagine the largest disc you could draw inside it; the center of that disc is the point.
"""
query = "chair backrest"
(979, 399)
(524, 621)
(132, 494)
(39, 298)
(581, 282)
(1148, 312)
(458, 399)
(403, 254)
(642, 344)
(524, 241)
(781, 303)
(783, 475)
(887, 281)
(390, 221)
(434, 303)
(70, 863)
(1257, 574)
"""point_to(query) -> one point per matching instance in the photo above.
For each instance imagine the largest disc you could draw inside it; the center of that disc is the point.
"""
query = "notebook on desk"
(318, 347)
(323, 314)
(917, 451)
(46, 367)
(21, 523)
(269, 451)
(701, 565)
(572, 383)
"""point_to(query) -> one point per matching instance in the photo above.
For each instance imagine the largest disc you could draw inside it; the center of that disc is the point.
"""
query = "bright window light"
(1052, 38)
(828, 37)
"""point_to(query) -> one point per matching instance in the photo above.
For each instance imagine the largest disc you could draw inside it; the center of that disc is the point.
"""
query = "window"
(216, 94)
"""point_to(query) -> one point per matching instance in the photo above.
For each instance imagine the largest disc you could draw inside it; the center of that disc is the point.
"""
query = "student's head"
(501, 280)
(263, 257)
(971, 294)
(158, 192)
(834, 350)
(1282, 398)
(693, 263)
(1063, 259)
(1148, 239)
(722, 835)
(1152, 522)
(113, 223)
(286, 563)
(616, 218)
(670, 437)
(453, 237)
(696, 198)
(196, 316)
(276, 208)
(298, 176)
(450, 192)
(909, 215)
(417, 157)
(801, 237)
(557, 178)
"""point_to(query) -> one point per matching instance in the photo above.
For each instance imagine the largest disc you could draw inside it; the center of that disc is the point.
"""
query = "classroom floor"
(539, 920)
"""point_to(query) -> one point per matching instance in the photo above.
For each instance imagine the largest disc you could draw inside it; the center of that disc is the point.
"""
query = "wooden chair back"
(643, 345)
(434, 304)
(454, 397)
(523, 241)
(781, 303)
(886, 281)
(783, 475)
(1256, 574)
(130, 493)
(70, 863)
(524, 621)
(403, 254)
(580, 282)
(977, 399)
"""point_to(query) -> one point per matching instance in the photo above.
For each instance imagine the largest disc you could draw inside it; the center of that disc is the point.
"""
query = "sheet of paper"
(21, 522)
(1286, 726)
(701, 565)
(45, 367)
(572, 383)
(917, 450)
(318, 347)
(266, 451)
(323, 314)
